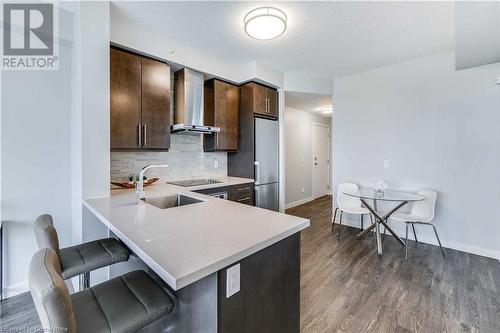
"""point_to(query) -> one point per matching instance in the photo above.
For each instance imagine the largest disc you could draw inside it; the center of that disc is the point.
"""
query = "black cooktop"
(195, 182)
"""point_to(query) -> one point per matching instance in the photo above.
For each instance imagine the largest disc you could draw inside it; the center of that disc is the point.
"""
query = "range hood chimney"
(188, 103)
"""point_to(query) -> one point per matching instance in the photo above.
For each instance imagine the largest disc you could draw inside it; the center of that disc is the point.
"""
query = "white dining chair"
(422, 212)
(348, 204)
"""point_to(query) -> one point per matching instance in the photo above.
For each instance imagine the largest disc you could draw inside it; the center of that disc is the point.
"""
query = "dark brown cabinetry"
(242, 193)
(221, 110)
(264, 100)
(140, 102)
(269, 296)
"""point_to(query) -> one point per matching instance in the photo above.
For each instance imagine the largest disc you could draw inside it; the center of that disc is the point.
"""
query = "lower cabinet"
(242, 193)
(269, 296)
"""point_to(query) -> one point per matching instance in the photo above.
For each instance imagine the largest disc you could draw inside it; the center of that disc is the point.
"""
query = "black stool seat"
(123, 304)
(82, 258)
(86, 257)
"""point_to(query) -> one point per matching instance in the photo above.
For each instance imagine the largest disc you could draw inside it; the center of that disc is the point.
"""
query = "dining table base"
(380, 220)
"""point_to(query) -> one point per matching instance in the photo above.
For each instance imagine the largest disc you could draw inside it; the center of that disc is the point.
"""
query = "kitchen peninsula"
(195, 247)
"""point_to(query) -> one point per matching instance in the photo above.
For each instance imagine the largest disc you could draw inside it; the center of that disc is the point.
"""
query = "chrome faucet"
(140, 184)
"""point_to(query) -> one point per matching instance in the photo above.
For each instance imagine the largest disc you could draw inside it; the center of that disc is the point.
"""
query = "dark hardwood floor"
(347, 287)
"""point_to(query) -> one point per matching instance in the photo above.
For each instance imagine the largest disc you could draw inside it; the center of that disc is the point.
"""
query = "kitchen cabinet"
(125, 99)
(140, 102)
(221, 110)
(264, 100)
(242, 193)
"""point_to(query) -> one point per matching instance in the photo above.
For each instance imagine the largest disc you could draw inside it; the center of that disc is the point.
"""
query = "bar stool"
(79, 259)
(126, 303)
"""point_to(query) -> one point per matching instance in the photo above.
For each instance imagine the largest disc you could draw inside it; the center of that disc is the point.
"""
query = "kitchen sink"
(171, 201)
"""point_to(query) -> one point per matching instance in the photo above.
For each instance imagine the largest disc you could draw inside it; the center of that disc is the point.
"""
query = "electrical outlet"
(216, 164)
(303, 190)
(387, 163)
(232, 280)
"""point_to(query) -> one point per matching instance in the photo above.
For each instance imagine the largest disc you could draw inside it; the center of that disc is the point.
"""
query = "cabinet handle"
(140, 134)
(244, 199)
(145, 134)
(267, 105)
(244, 189)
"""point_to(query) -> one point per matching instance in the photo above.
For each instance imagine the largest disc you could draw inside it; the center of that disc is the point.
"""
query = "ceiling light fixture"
(265, 23)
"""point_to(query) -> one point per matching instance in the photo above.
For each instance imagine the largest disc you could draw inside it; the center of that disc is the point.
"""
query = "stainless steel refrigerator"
(266, 164)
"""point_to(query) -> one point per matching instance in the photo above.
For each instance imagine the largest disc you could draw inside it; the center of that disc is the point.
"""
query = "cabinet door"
(125, 99)
(259, 99)
(155, 104)
(272, 102)
(226, 115)
(242, 193)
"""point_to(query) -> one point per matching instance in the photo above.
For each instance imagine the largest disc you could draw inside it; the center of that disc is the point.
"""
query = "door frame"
(314, 124)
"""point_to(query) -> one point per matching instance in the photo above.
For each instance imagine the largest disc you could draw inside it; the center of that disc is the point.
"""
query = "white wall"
(95, 118)
(477, 33)
(35, 156)
(55, 139)
(439, 129)
(298, 155)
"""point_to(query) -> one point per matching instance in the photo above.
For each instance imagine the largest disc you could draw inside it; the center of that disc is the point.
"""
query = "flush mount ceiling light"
(265, 23)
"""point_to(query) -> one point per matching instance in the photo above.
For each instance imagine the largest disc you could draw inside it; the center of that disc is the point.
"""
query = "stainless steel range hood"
(188, 103)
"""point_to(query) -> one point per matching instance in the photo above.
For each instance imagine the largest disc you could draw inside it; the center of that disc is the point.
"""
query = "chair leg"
(442, 252)
(333, 218)
(414, 233)
(340, 224)
(406, 242)
(362, 217)
(385, 229)
(84, 280)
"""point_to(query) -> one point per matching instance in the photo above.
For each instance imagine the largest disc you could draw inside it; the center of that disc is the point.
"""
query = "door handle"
(140, 134)
(257, 172)
(315, 164)
(244, 189)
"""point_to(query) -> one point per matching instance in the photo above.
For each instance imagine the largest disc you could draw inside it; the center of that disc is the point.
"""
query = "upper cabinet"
(221, 110)
(140, 102)
(265, 100)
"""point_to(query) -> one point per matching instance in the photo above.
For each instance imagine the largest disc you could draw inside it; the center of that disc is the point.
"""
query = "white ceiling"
(308, 102)
(323, 39)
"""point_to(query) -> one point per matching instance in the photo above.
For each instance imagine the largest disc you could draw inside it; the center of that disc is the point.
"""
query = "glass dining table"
(370, 199)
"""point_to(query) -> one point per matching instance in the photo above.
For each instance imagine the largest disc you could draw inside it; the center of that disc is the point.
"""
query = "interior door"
(321, 163)
(155, 104)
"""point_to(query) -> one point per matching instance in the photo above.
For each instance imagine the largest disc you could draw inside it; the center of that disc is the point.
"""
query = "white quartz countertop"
(187, 243)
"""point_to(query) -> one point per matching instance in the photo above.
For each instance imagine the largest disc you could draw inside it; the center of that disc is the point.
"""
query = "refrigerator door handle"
(257, 197)
(257, 172)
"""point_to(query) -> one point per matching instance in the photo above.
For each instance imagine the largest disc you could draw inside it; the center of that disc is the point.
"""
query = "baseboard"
(299, 202)
(431, 240)
(15, 289)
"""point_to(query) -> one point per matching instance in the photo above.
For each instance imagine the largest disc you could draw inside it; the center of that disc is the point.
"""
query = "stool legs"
(84, 280)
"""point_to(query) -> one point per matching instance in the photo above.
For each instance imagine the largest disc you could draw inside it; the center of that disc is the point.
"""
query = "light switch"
(387, 163)
(232, 280)
(216, 164)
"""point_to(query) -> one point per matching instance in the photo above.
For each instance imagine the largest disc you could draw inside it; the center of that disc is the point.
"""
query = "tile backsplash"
(186, 160)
